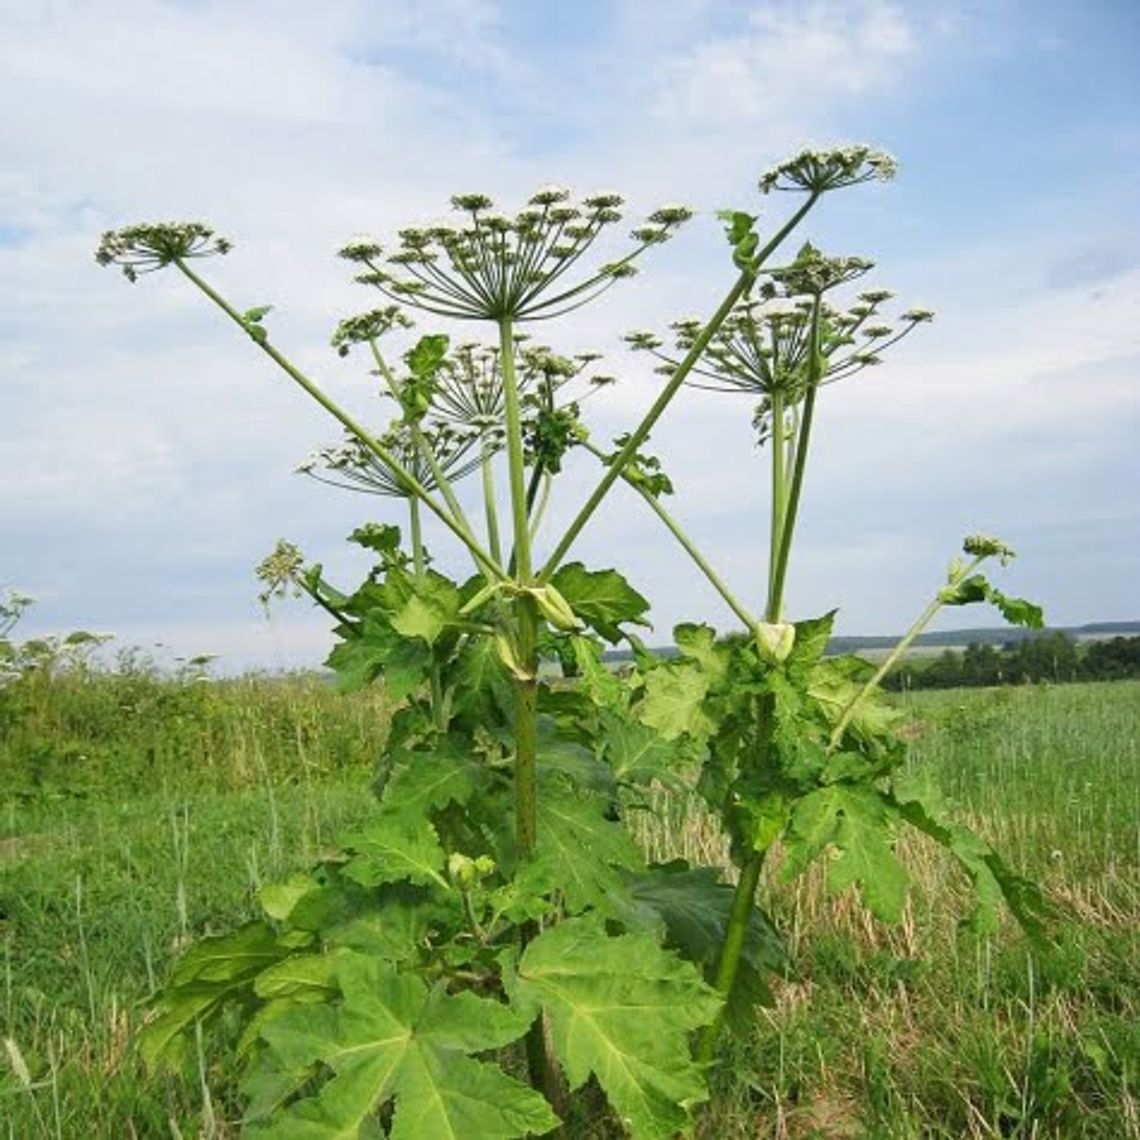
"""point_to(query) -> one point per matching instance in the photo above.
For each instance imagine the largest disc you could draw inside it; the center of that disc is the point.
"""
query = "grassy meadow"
(137, 814)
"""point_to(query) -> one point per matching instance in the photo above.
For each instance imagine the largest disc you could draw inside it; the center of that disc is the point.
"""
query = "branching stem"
(488, 564)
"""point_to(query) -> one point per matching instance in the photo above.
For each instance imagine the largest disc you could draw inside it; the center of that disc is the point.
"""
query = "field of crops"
(139, 814)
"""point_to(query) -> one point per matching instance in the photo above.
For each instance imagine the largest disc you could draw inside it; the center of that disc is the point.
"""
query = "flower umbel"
(496, 267)
(818, 171)
(152, 246)
(367, 327)
(763, 346)
(355, 467)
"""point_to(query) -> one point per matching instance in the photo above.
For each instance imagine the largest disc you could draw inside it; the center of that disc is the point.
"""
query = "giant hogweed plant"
(492, 940)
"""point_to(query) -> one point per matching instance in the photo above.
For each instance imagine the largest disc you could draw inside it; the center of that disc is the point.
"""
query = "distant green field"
(139, 814)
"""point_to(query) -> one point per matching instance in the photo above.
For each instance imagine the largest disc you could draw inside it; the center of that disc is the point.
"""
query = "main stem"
(543, 1067)
(785, 504)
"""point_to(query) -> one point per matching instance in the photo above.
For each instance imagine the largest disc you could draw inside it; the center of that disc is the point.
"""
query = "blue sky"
(146, 453)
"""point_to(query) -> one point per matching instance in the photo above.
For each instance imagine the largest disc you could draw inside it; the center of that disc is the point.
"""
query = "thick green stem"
(732, 950)
(489, 565)
(419, 565)
(543, 1067)
(490, 508)
(892, 658)
(641, 432)
(816, 365)
(515, 465)
(421, 443)
(779, 498)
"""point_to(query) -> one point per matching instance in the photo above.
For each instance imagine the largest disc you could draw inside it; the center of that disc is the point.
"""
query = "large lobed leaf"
(602, 599)
(395, 1038)
(621, 1009)
(860, 823)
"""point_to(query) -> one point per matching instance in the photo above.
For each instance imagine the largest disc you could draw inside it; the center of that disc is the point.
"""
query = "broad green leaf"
(859, 822)
(279, 899)
(596, 681)
(699, 643)
(602, 599)
(297, 973)
(637, 753)
(673, 700)
(574, 761)
(228, 957)
(428, 606)
(397, 921)
(622, 1009)
(1018, 611)
(579, 848)
(392, 849)
(865, 839)
(482, 690)
(374, 647)
(810, 645)
(922, 805)
(431, 779)
(393, 1037)
(209, 975)
(381, 538)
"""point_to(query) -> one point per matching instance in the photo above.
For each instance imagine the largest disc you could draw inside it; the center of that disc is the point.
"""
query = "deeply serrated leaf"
(579, 848)
(621, 1009)
(427, 780)
(859, 822)
(392, 849)
(699, 643)
(810, 644)
(429, 604)
(211, 974)
(993, 881)
(596, 681)
(394, 1038)
(673, 700)
(602, 599)
(636, 752)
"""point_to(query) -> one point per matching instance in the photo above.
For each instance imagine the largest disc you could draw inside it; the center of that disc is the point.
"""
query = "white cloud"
(789, 59)
(291, 126)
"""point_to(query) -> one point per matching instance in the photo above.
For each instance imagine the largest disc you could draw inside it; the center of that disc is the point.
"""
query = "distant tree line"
(1054, 657)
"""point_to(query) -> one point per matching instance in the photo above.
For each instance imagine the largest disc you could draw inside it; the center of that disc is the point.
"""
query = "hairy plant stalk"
(800, 444)
(425, 449)
(419, 565)
(641, 432)
(785, 504)
(732, 950)
(542, 1065)
(486, 562)
(892, 658)
(490, 507)
(687, 544)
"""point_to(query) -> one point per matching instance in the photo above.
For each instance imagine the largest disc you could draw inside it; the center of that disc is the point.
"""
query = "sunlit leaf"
(621, 1009)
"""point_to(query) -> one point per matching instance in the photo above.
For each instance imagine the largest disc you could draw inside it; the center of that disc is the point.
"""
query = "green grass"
(177, 802)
